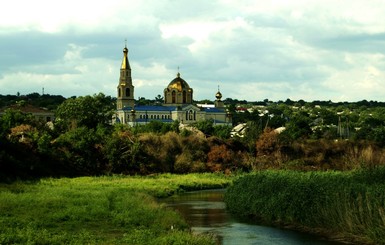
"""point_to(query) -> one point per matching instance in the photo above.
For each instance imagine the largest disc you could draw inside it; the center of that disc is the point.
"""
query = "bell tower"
(125, 96)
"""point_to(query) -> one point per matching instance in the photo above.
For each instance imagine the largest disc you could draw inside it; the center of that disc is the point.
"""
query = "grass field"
(99, 210)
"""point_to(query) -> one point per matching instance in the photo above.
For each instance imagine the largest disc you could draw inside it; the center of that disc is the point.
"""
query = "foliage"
(267, 142)
(298, 127)
(12, 118)
(219, 155)
(122, 151)
(157, 127)
(160, 151)
(349, 203)
(206, 126)
(80, 148)
(83, 143)
(222, 131)
(87, 111)
(46, 100)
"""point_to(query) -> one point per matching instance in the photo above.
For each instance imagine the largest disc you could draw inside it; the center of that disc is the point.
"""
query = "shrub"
(267, 142)
(344, 202)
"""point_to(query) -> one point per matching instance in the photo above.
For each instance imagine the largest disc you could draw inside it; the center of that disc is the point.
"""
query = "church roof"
(170, 108)
(151, 108)
(213, 109)
(27, 108)
(178, 83)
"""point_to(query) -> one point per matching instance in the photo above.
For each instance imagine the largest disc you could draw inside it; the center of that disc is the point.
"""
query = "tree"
(88, 111)
(222, 131)
(267, 142)
(159, 99)
(122, 150)
(81, 147)
(206, 126)
(12, 118)
(297, 127)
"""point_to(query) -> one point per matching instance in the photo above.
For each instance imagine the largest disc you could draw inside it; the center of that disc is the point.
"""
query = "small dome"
(178, 83)
(218, 95)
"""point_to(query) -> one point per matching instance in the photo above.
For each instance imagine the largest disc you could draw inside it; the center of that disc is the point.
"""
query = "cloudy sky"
(254, 50)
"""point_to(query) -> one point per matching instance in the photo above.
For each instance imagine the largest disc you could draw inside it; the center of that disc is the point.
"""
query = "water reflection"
(205, 211)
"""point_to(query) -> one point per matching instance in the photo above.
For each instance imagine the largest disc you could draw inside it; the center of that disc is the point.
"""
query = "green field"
(99, 210)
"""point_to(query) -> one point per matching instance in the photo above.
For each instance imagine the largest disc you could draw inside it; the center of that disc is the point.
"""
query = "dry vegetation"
(320, 154)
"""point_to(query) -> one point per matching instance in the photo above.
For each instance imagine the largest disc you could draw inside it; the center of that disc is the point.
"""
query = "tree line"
(82, 140)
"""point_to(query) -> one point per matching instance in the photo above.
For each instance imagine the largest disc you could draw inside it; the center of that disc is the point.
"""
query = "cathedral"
(177, 105)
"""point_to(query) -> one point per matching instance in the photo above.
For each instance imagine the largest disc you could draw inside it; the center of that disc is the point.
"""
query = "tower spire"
(125, 63)
(125, 88)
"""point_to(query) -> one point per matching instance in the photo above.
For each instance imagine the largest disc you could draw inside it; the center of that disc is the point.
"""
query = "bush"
(267, 142)
(349, 203)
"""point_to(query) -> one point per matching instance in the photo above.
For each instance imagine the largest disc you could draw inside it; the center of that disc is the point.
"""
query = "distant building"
(177, 105)
(39, 113)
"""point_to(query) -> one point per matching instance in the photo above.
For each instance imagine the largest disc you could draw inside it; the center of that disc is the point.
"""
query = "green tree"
(88, 111)
(12, 118)
(222, 131)
(206, 126)
(158, 99)
(122, 150)
(297, 127)
(81, 148)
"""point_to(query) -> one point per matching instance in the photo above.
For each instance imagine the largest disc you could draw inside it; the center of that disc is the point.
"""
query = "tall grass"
(349, 203)
(98, 210)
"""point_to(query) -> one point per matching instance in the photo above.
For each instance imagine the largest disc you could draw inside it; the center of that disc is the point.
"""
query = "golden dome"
(218, 95)
(178, 83)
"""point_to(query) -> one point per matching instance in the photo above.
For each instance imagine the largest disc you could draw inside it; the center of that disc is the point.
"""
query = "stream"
(205, 212)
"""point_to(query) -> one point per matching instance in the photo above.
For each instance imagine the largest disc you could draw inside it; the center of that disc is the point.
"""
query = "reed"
(348, 203)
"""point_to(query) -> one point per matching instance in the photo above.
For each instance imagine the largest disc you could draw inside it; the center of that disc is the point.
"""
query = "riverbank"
(99, 210)
(342, 205)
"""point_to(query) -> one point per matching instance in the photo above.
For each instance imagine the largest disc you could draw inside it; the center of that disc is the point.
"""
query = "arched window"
(190, 115)
(128, 92)
(119, 92)
(173, 94)
(184, 97)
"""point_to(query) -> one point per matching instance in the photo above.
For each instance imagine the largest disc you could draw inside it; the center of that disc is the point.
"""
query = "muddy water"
(205, 211)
